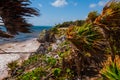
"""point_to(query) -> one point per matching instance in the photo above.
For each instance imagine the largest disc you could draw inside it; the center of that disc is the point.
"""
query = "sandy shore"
(16, 50)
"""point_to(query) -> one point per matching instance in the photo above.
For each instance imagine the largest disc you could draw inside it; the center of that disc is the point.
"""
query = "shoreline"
(20, 46)
(16, 50)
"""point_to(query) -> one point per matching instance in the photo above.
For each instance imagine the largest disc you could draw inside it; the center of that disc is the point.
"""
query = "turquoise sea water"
(35, 30)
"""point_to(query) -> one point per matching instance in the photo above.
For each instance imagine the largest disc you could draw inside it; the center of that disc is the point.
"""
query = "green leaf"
(56, 71)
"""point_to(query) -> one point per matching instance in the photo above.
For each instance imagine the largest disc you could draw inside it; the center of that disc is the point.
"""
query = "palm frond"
(13, 13)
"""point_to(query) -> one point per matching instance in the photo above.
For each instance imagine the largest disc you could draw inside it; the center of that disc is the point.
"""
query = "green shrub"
(51, 61)
(36, 74)
(111, 72)
(56, 72)
(13, 65)
(54, 30)
(33, 59)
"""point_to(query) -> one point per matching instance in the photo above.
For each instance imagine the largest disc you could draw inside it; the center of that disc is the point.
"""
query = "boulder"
(54, 47)
(46, 36)
(60, 39)
(43, 48)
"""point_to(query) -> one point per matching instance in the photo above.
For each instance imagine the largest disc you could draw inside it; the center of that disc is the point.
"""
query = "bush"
(111, 72)
(36, 74)
(13, 65)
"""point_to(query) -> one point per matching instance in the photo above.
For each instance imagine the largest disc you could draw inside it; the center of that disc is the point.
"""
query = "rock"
(47, 40)
(58, 41)
(54, 47)
(42, 36)
(61, 39)
(46, 36)
(43, 48)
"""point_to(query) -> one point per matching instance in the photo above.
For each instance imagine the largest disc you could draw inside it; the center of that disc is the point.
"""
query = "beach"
(15, 51)
(18, 48)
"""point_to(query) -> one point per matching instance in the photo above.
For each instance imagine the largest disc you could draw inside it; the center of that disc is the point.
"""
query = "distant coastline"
(35, 30)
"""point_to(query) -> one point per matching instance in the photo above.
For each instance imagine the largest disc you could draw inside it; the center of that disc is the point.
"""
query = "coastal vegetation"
(69, 23)
(85, 49)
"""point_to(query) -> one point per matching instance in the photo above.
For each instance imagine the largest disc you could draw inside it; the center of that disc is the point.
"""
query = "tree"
(13, 14)
(92, 16)
(69, 23)
(89, 41)
(79, 22)
(109, 21)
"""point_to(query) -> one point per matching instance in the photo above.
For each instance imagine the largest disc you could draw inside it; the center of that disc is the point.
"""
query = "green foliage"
(61, 54)
(56, 72)
(50, 48)
(51, 61)
(14, 68)
(54, 30)
(90, 43)
(79, 22)
(109, 21)
(51, 66)
(65, 24)
(88, 40)
(36, 74)
(69, 23)
(33, 59)
(89, 33)
(69, 72)
(65, 43)
(111, 72)
(46, 66)
(110, 16)
(92, 16)
(85, 37)
(13, 65)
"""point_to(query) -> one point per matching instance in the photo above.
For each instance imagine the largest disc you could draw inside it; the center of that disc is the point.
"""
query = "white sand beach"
(14, 47)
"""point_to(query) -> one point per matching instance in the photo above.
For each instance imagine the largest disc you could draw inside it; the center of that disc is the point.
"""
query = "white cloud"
(101, 3)
(59, 3)
(40, 5)
(75, 4)
(92, 5)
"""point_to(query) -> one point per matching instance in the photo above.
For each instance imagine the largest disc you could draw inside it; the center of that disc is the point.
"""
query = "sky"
(53, 12)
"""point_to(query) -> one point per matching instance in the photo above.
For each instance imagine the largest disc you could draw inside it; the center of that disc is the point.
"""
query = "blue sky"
(57, 11)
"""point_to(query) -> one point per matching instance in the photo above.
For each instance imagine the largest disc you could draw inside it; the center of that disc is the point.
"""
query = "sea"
(35, 31)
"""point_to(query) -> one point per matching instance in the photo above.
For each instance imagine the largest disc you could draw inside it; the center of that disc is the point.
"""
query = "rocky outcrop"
(43, 48)
(46, 36)
(49, 41)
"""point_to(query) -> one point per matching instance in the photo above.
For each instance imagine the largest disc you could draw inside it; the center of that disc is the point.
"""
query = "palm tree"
(109, 21)
(13, 14)
(89, 40)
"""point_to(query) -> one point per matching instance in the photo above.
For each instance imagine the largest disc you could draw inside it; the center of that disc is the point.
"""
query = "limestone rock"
(43, 48)
(46, 36)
